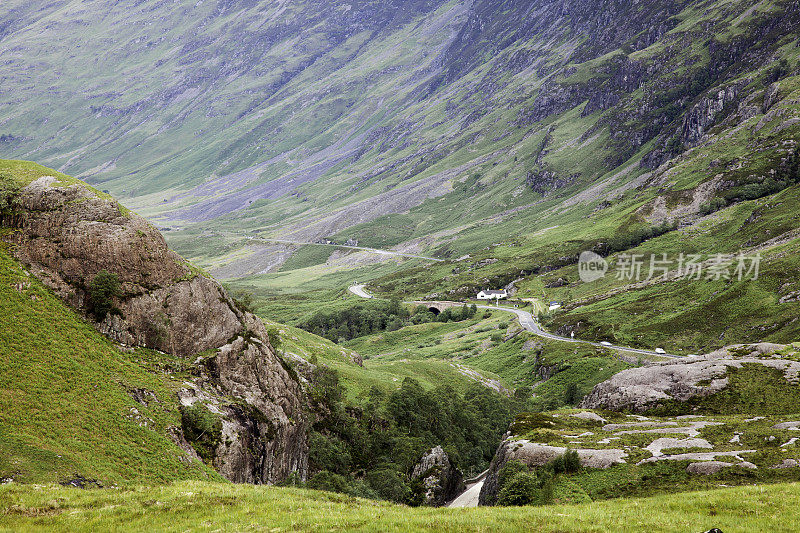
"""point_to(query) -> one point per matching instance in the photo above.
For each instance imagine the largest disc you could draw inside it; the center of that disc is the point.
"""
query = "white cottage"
(492, 295)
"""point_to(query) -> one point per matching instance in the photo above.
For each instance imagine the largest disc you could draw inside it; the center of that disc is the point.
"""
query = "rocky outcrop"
(441, 480)
(705, 114)
(644, 388)
(67, 234)
(534, 454)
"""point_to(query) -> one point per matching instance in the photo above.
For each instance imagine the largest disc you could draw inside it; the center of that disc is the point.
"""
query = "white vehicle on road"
(660, 351)
(606, 343)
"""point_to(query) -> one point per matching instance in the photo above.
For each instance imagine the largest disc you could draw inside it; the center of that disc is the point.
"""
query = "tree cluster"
(369, 449)
(374, 317)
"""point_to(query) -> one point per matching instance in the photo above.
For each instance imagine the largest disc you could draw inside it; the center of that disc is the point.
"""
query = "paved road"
(529, 323)
(358, 290)
(468, 498)
(361, 248)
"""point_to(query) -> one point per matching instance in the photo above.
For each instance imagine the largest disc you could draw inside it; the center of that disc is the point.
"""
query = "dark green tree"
(102, 290)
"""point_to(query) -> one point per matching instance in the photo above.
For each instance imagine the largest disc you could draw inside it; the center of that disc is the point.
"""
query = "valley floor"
(200, 506)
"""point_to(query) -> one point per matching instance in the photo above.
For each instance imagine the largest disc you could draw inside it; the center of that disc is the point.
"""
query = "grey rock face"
(707, 468)
(703, 115)
(441, 480)
(533, 454)
(67, 234)
(641, 389)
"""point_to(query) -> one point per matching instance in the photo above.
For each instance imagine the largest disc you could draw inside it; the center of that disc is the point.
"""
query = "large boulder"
(441, 481)
(68, 233)
(682, 380)
(534, 455)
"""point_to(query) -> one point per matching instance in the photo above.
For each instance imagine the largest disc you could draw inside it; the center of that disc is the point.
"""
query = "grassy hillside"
(67, 407)
(207, 506)
(385, 374)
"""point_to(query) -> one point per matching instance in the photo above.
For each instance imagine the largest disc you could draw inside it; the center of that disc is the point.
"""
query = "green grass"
(307, 256)
(65, 402)
(206, 506)
(637, 478)
(385, 374)
(26, 172)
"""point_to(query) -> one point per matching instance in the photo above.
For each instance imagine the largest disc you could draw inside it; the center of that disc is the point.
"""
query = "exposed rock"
(66, 234)
(641, 389)
(533, 454)
(657, 445)
(588, 415)
(707, 468)
(704, 114)
(788, 463)
(440, 479)
(787, 425)
(697, 456)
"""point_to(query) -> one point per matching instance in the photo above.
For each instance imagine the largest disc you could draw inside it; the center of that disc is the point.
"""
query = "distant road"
(361, 248)
(530, 324)
(358, 290)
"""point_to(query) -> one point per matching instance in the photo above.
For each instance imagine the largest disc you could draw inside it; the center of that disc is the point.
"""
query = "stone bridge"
(438, 307)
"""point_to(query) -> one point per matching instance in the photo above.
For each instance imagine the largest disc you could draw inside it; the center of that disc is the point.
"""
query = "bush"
(244, 301)
(102, 290)
(203, 429)
(626, 241)
(325, 388)
(521, 489)
(274, 337)
(571, 394)
(8, 192)
(509, 470)
(329, 481)
(566, 464)
(390, 485)
(328, 453)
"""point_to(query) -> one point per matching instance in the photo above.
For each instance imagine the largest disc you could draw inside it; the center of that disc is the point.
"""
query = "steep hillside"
(76, 407)
(301, 123)
(240, 405)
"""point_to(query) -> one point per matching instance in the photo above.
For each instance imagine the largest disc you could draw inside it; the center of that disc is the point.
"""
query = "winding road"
(469, 498)
(529, 323)
(348, 247)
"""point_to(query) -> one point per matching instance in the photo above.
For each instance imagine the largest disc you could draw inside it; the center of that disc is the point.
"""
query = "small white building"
(493, 295)
(554, 306)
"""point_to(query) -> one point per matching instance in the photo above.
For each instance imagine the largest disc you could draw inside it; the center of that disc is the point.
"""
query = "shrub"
(102, 290)
(509, 470)
(328, 453)
(329, 481)
(244, 301)
(571, 394)
(712, 206)
(389, 484)
(203, 429)
(8, 192)
(274, 337)
(521, 489)
(566, 464)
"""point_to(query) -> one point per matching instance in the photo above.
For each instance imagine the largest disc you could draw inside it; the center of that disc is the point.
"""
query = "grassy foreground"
(193, 505)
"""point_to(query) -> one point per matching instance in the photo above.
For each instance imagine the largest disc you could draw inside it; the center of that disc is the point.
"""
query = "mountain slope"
(322, 119)
(69, 397)
(240, 405)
